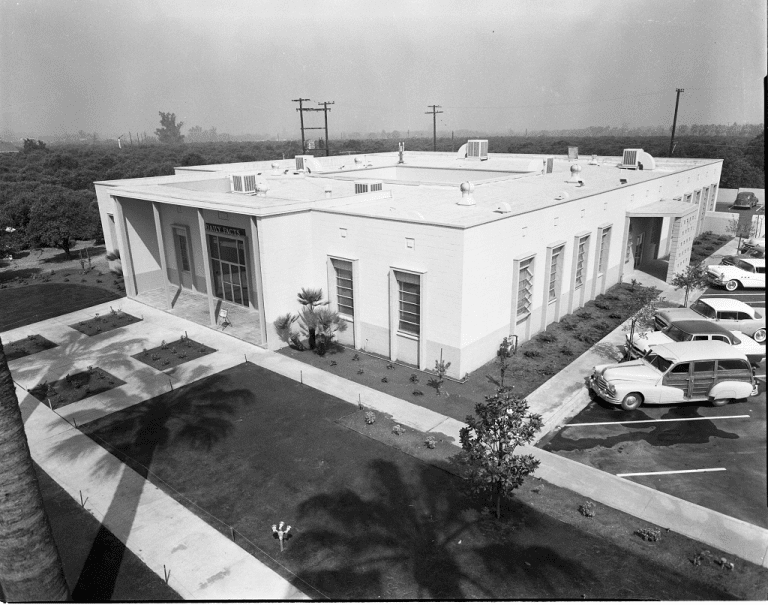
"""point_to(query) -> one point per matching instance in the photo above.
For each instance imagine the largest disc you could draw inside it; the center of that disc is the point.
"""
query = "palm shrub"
(327, 323)
(310, 299)
(283, 327)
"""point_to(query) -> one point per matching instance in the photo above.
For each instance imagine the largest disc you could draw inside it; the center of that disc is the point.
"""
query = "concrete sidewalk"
(204, 564)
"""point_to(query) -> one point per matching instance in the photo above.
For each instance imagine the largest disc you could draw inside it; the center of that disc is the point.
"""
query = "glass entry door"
(230, 275)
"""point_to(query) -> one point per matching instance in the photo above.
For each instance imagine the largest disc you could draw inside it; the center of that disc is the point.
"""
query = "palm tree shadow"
(395, 543)
(132, 438)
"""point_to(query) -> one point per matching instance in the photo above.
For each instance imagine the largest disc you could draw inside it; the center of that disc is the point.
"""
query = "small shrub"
(398, 430)
(603, 327)
(568, 326)
(356, 357)
(174, 351)
(610, 297)
(701, 556)
(547, 370)
(418, 393)
(370, 418)
(166, 362)
(430, 442)
(649, 534)
(602, 305)
(566, 351)
(615, 316)
(163, 346)
(587, 509)
(710, 248)
(390, 366)
(532, 353)
(384, 379)
(584, 315)
(413, 378)
(361, 371)
(546, 337)
(333, 363)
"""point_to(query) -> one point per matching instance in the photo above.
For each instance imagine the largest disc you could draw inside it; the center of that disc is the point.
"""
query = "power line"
(434, 113)
(300, 101)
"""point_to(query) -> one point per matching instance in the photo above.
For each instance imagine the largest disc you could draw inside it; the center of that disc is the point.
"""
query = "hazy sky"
(110, 65)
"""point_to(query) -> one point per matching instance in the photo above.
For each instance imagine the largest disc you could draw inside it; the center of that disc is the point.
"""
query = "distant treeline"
(67, 172)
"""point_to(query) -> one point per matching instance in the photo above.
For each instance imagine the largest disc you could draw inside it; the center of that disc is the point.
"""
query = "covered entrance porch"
(242, 322)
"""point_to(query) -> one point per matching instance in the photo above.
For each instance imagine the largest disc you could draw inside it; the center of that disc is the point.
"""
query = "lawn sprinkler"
(281, 534)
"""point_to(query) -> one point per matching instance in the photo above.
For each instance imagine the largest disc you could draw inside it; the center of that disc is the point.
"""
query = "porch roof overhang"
(675, 208)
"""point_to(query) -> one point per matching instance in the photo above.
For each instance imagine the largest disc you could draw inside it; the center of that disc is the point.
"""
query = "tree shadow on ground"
(61, 257)
(7, 276)
(132, 437)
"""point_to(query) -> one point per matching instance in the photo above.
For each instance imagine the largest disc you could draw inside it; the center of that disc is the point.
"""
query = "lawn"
(30, 304)
(535, 362)
(248, 448)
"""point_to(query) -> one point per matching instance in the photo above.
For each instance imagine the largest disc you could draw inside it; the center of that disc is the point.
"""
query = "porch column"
(257, 279)
(126, 260)
(207, 267)
(161, 248)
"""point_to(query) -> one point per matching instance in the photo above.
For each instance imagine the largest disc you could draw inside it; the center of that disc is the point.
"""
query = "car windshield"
(677, 334)
(704, 309)
(745, 266)
(658, 362)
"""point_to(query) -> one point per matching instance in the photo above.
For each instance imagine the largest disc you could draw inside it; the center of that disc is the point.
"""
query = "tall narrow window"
(344, 291)
(554, 273)
(525, 287)
(409, 295)
(602, 260)
(581, 255)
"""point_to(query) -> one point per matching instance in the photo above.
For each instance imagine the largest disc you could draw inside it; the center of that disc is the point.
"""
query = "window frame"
(527, 264)
(580, 261)
(412, 279)
(341, 307)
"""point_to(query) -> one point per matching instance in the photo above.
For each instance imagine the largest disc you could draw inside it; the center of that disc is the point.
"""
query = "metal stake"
(166, 574)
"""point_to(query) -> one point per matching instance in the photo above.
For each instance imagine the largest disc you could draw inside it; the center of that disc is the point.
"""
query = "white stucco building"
(421, 252)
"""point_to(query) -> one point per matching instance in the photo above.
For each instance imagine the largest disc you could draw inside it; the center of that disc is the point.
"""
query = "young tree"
(169, 131)
(30, 566)
(643, 319)
(503, 355)
(489, 442)
(692, 278)
(58, 219)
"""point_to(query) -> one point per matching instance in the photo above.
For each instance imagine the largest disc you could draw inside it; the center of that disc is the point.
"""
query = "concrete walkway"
(204, 564)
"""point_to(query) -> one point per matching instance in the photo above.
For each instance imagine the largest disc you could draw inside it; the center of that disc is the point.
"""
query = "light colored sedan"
(743, 273)
(732, 314)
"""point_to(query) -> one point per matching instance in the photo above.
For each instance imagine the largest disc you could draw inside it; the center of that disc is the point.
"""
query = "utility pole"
(301, 114)
(326, 109)
(674, 122)
(434, 113)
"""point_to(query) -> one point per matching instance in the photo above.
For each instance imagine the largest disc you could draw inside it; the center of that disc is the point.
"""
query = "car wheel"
(731, 285)
(631, 401)
(759, 336)
(718, 403)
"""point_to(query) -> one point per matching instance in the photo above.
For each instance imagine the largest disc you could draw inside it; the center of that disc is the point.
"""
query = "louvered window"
(581, 255)
(603, 258)
(525, 287)
(409, 289)
(237, 183)
(344, 290)
(554, 272)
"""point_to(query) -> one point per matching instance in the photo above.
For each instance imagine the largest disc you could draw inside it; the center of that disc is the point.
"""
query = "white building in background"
(421, 252)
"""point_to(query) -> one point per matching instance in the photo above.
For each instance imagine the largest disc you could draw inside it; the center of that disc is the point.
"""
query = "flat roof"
(425, 188)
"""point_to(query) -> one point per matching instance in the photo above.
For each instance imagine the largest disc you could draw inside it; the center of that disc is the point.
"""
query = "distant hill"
(6, 147)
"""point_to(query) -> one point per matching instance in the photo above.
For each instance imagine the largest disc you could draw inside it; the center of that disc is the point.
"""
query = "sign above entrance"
(224, 230)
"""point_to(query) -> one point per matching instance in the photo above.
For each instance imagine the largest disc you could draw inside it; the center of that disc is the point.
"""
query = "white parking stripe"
(661, 420)
(697, 470)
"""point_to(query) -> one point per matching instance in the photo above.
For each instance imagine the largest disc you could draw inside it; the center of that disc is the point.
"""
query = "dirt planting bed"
(104, 323)
(34, 343)
(74, 387)
(170, 355)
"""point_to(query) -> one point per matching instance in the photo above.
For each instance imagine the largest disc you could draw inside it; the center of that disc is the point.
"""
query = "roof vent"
(563, 195)
(573, 153)
(466, 194)
(261, 189)
(276, 168)
(368, 186)
(503, 208)
(575, 172)
(301, 161)
(477, 149)
(549, 164)
(637, 159)
(243, 182)
(328, 191)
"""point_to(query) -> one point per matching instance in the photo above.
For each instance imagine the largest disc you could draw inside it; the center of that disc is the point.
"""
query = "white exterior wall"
(181, 216)
(287, 264)
(140, 227)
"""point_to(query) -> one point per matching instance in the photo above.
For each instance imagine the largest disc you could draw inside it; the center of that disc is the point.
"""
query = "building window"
(525, 287)
(602, 260)
(409, 290)
(345, 299)
(581, 255)
(554, 272)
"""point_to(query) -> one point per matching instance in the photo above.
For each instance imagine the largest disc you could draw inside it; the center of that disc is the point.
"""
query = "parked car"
(743, 273)
(695, 330)
(677, 372)
(732, 314)
(746, 200)
(754, 247)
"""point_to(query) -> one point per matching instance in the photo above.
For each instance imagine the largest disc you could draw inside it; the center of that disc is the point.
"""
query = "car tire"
(631, 401)
(718, 403)
(759, 336)
(732, 285)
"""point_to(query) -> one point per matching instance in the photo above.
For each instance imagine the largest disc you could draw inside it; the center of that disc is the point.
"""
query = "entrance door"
(183, 264)
(639, 239)
(230, 274)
